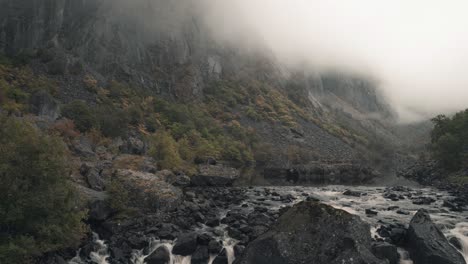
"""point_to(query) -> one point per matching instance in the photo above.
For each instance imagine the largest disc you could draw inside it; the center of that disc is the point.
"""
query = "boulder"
(352, 193)
(99, 210)
(160, 256)
(94, 179)
(215, 175)
(185, 245)
(214, 247)
(311, 232)
(83, 147)
(147, 191)
(134, 145)
(178, 179)
(427, 244)
(386, 251)
(200, 256)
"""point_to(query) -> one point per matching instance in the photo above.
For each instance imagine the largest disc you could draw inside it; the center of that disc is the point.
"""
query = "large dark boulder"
(311, 232)
(185, 245)
(215, 175)
(99, 210)
(160, 256)
(427, 244)
(386, 251)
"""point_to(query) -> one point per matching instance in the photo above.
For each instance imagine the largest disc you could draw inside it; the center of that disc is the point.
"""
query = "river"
(375, 205)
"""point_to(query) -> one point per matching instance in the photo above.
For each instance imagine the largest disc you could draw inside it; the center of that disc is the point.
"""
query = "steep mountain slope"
(163, 49)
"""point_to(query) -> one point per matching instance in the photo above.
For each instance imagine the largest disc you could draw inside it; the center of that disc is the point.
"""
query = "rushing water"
(453, 224)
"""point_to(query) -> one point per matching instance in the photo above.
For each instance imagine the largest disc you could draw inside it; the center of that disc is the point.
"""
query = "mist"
(418, 50)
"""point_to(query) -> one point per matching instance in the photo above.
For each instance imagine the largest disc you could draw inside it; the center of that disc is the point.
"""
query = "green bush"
(135, 115)
(81, 114)
(112, 121)
(164, 150)
(38, 206)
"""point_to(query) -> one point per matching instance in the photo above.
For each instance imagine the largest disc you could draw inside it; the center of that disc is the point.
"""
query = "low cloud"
(417, 49)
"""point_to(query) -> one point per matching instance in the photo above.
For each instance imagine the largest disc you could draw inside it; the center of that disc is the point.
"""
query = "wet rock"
(427, 244)
(185, 245)
(160, 256)
(204, 239)
(212, 222)
(221, 258)
(386, 251)
(311, 232)
(392, 196)
(99, 211)
(238, 250)
(214, 247)
(397, 236)
(258, 231)
(452, 206)
(456, 243)
(403, 212)
(400, 189)
(371, 212)
(215, 175)
(423, 200)
(352, 193)
(200, 256)
(137, 241)
(255, 219)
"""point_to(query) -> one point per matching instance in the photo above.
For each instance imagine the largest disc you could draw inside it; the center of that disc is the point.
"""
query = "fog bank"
(417, 49)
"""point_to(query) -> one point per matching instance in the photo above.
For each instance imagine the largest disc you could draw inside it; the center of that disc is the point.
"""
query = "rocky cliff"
(165, 49)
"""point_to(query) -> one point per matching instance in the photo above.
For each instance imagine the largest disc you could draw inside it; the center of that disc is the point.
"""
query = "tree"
(37, 204)
(165, 150)
(447, 150)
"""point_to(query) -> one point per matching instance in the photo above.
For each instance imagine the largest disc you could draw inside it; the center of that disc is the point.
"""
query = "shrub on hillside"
(81, 114)
(38, 206)
(164, 150)
(112, 121)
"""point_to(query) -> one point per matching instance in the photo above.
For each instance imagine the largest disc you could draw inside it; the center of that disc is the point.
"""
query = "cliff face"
(165, 48)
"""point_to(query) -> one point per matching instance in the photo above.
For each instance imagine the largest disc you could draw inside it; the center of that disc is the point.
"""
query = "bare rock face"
(312, 232)
(427, 244)
(215, 175)
(148, 191)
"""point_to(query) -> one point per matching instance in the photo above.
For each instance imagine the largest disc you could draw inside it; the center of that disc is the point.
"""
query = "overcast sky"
(418, 49)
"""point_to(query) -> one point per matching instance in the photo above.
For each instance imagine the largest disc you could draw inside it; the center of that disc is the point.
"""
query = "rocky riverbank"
(220, 225)
(430, 173)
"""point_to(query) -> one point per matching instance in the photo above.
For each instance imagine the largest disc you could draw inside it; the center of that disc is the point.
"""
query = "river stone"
(200, 256)
(387, 251)
(185, 245)
(159, 256)
(311, 232)
(427, 244)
